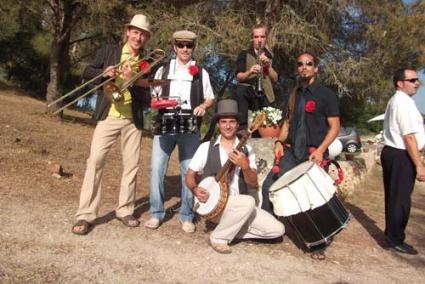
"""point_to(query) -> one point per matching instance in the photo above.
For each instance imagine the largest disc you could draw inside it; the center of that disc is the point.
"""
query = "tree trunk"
(65, 15)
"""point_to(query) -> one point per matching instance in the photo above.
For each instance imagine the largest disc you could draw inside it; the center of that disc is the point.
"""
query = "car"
(350, 138)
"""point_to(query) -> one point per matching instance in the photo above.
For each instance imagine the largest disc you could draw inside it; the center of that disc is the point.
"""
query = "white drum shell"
(213, 189)
(303, 188)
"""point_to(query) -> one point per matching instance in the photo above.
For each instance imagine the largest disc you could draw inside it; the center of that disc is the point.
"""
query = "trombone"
(156, 56)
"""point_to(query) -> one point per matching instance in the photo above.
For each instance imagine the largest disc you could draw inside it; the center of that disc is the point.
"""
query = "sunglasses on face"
(305, 63)
(188, 45)
(412, 80)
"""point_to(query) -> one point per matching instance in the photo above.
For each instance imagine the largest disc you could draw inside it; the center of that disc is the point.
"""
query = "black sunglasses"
(188, 45)
(306, 63)
(412, 80)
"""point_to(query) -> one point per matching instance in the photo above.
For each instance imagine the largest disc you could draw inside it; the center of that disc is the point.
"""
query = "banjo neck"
(225, 168)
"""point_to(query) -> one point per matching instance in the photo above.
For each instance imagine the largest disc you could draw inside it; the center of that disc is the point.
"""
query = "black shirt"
(326, 105)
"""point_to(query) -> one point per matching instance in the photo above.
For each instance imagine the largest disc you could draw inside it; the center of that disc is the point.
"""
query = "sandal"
(318, 255)
(81, 223)
(127, 221)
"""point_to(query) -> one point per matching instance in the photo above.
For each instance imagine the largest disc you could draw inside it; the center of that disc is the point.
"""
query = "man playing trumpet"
(121, 117)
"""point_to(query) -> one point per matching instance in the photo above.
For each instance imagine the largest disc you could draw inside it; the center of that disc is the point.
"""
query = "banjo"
(217, 186)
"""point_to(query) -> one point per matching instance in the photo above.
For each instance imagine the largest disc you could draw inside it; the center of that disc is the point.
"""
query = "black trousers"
(399, 174)
(248, 100)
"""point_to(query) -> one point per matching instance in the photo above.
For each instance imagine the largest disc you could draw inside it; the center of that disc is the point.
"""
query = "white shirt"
(199, 161)
(402, 117)
(181, 82)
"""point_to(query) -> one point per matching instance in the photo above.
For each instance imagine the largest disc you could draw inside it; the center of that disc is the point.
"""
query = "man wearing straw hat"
(191, 86)
(115, 118)
(240, 218)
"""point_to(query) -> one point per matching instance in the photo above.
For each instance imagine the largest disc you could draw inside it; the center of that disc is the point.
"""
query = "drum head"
(305, 187)
(213, 189)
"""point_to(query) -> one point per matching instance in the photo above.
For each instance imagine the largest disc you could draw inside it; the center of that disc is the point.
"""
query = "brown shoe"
(221, 248)
(129, 221)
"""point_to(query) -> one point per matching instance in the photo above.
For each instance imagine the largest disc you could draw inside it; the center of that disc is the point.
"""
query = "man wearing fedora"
(190, 84)
(240, 218)
(115, 118)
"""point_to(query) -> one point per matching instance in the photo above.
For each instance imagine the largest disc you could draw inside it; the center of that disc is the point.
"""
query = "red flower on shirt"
(310, 106)
(193, 70)
(144, 66)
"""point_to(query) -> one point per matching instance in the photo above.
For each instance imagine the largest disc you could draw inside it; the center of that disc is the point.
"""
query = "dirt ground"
(37, 212)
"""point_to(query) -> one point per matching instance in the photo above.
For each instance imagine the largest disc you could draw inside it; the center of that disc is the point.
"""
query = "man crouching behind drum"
(191, 86)
(240, 218)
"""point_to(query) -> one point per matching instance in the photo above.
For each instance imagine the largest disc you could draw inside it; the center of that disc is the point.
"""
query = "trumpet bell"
(112, 92)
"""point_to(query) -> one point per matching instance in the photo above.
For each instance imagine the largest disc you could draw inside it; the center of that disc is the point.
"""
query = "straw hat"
(141, 22)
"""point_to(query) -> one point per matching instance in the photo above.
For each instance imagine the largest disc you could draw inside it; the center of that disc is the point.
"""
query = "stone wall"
(355, 167)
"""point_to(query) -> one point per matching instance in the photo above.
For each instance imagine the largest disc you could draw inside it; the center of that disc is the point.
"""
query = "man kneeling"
(240, 218)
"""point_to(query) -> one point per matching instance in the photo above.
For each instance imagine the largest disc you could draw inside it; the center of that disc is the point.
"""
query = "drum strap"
(213, 165)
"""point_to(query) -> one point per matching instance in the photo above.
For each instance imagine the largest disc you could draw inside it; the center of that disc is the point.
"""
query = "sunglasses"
(188, 45)
(413, 80)
(305, 63)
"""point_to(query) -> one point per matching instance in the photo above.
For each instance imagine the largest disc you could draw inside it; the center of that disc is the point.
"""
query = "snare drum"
(172, 123)
(306, 197)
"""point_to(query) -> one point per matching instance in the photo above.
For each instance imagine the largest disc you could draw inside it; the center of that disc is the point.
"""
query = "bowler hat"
(141, 22)
(227, 108)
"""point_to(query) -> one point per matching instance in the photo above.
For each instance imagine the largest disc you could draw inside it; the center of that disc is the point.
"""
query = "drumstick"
(275, 168)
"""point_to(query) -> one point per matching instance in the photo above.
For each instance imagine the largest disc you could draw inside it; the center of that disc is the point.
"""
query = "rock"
(54, 168)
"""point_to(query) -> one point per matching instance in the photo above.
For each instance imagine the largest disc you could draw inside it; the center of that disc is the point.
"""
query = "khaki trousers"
(105, 134)
(243, 220)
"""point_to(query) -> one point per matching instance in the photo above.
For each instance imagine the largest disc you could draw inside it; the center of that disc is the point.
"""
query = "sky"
(419, 98)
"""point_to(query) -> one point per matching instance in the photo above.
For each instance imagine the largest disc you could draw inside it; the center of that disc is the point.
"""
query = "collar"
(402, 94)
(217, 142)
(312, 88)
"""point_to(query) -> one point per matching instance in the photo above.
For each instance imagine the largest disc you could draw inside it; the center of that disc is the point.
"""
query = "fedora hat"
(227, 108)
(141, 22)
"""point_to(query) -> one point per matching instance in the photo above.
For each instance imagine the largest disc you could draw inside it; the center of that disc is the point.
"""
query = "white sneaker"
(152, 223)
(188, 227)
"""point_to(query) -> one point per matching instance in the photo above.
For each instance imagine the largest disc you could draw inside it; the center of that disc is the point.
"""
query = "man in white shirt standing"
(240, 217)
(190, 85)
(404, 137)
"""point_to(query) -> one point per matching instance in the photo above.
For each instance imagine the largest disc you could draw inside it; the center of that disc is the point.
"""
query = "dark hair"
(400, 75)
(259, 26)
(315, 59)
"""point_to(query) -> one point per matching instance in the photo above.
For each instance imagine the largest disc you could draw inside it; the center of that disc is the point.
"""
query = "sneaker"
(188, 227)
(153, 223)
(220, 247)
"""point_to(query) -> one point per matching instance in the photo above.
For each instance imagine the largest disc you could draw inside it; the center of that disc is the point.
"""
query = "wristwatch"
(279, 141)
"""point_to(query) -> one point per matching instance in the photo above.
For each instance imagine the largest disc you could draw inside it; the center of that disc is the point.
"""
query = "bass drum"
(306, 197)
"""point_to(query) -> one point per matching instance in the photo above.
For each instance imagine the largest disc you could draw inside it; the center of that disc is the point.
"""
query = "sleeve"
(241, 63)
(95, 68)
(407, 120)
(206, 83)
(332, 108)
(199, 159)
(157, 91)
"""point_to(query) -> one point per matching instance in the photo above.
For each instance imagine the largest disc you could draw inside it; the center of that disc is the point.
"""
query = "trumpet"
(111, 89)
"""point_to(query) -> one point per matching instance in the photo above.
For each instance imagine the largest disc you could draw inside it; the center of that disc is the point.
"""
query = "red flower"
(310, 106)
(144, 66)
(193, 70)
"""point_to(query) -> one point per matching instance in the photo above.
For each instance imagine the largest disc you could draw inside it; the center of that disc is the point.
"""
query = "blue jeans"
(163, 146)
